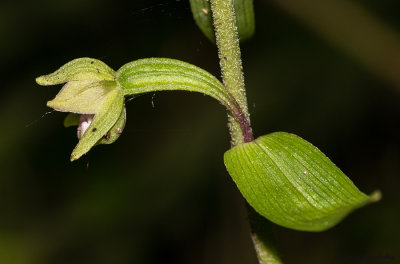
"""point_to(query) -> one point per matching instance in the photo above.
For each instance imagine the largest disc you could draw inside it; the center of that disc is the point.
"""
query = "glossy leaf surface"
(292, 183)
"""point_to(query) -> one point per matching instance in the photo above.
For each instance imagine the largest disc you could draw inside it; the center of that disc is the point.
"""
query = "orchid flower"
(93, 99)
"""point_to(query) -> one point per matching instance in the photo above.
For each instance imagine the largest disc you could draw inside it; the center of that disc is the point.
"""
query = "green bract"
(292, 183)
(159, 74)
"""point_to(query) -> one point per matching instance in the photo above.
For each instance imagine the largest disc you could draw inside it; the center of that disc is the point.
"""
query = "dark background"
(160, 194)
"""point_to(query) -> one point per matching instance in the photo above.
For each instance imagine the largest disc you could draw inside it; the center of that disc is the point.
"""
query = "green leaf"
(108, 114)
(292, 183)
(244, 11)
(245, 20)
(78, 69)
(161, 74)
(201, 11)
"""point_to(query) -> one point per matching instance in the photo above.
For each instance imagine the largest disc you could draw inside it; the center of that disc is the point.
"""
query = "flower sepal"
(78, 69)
(106, 126)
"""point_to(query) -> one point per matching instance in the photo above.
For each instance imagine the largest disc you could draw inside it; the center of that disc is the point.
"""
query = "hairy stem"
(232, 75)
(230, 61)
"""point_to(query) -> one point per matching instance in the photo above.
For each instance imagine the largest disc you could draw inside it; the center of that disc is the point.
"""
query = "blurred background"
(327, 70)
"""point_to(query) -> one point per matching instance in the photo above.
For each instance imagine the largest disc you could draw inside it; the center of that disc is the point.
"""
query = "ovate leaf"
(292, 183)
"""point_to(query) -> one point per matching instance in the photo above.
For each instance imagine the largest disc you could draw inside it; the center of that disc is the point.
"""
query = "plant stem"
(232, 75)
(263, 238)
(230, 61)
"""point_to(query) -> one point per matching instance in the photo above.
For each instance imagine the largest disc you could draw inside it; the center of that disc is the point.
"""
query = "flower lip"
(84, 122)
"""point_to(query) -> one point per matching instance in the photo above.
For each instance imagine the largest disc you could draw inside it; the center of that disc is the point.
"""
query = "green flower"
(93, 99)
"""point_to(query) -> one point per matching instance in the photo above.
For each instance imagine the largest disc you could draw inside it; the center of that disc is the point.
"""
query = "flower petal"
(78, 69)
(84, 97)
(108, 114)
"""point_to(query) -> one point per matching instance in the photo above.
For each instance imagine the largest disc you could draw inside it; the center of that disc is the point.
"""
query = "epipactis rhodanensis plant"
(283, 177)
